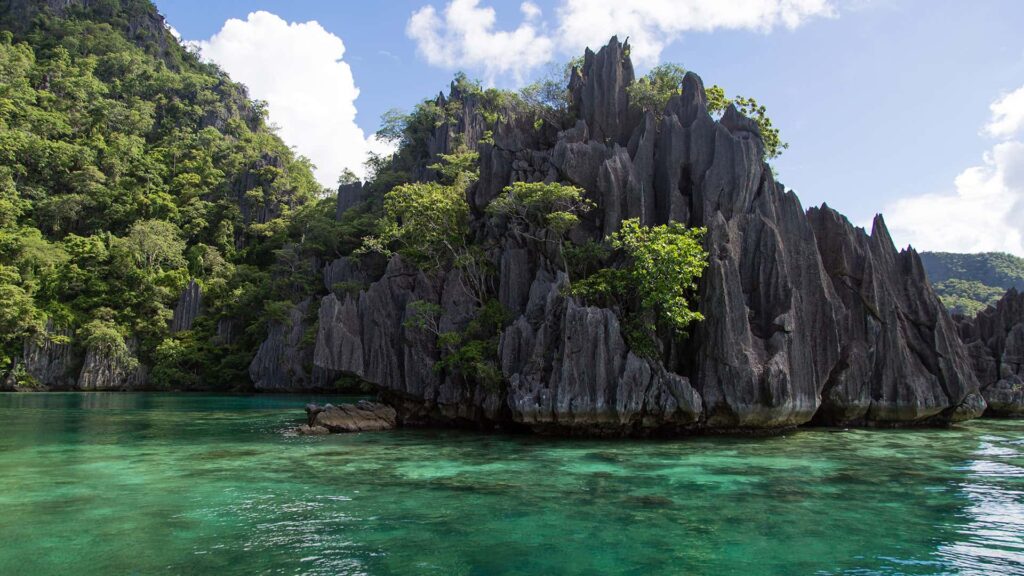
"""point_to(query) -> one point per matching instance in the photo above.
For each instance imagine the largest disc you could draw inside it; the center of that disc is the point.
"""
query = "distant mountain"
(968, 283)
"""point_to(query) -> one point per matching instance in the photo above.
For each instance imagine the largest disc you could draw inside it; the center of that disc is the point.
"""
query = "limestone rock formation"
(187, 308)
(103, 371)
(599, 93)
(807, 319)
(348, 196)
(901, 360)
(363, 416)
(49, 359)
(570, 370)
(995, 342)
(307, 430)
(281, 362)
(345, 271)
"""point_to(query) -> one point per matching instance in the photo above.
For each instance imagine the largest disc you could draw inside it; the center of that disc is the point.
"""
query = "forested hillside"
(157, 234)
(969, 283)
(128, 167)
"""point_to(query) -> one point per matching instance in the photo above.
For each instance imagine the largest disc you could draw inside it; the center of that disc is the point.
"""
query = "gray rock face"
(901, 360)
(362, 416)
(770, 335)
(569, 370)
(344, 271)
(995, 342)
(348, 196)
(51, 364)
(599, 93)
(281, 362)
(227, 332)
(807, 319)
(103, 372)
(187, 309)
(339, 347)
(1006, 397)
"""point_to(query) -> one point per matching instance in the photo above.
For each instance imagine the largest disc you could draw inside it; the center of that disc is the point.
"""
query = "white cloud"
(466, 38)
(986, 213)
(653, 24)
(530, 10)
(1007, 115)
(297, 68)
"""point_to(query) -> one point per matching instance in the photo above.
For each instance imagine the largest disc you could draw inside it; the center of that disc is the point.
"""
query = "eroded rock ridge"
(807, 317)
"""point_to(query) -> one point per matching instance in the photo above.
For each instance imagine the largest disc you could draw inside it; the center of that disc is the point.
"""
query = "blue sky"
(885, 104)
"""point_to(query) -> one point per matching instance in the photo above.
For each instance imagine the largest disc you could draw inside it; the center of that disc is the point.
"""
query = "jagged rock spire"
(599, 93)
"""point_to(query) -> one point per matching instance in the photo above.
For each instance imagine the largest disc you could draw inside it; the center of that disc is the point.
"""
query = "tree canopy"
(653, 278)
(127, 167)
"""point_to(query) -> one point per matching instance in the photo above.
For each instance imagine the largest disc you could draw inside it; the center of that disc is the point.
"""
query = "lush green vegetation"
(127, 167)
(968, 283)
(543, 211)
(652, 281)
(967, 297)
(537, 105)
(472, 352)
(427, 223)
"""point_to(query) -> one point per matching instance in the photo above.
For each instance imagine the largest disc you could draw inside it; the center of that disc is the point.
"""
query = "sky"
(911, 108)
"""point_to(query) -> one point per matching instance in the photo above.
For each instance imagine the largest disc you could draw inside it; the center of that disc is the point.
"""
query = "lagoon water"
(198, 484)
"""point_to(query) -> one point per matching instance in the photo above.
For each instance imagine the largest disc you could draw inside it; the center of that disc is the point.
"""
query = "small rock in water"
(363, 416)
(307, 430)
(311, 411)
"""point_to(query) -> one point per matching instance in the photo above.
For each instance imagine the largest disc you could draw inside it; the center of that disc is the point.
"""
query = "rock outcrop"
(599, 93)
(348, 196)
(995, 344)
(569, 370)
(187, 309)
(807, 318)
(105, 371)
(363, 416)
(49, 359)
(901, 358)
(282, 361)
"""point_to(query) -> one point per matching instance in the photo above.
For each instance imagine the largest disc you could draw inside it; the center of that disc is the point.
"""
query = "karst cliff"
(808, 318)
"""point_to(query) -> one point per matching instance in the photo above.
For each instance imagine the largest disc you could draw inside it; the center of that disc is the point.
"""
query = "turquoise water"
(165, 484)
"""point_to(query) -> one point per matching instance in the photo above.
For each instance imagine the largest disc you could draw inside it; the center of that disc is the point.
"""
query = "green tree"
(652, 92)
(540, 206)
(658, 270)
(156, 244)
(425, 222)
(347, 177)
(19, 316)
(106, 337)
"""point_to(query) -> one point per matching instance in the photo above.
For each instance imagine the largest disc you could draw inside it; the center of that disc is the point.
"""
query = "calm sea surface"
(105, 484)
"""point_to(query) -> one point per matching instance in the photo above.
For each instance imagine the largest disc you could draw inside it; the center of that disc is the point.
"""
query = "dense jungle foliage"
(127, 167)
